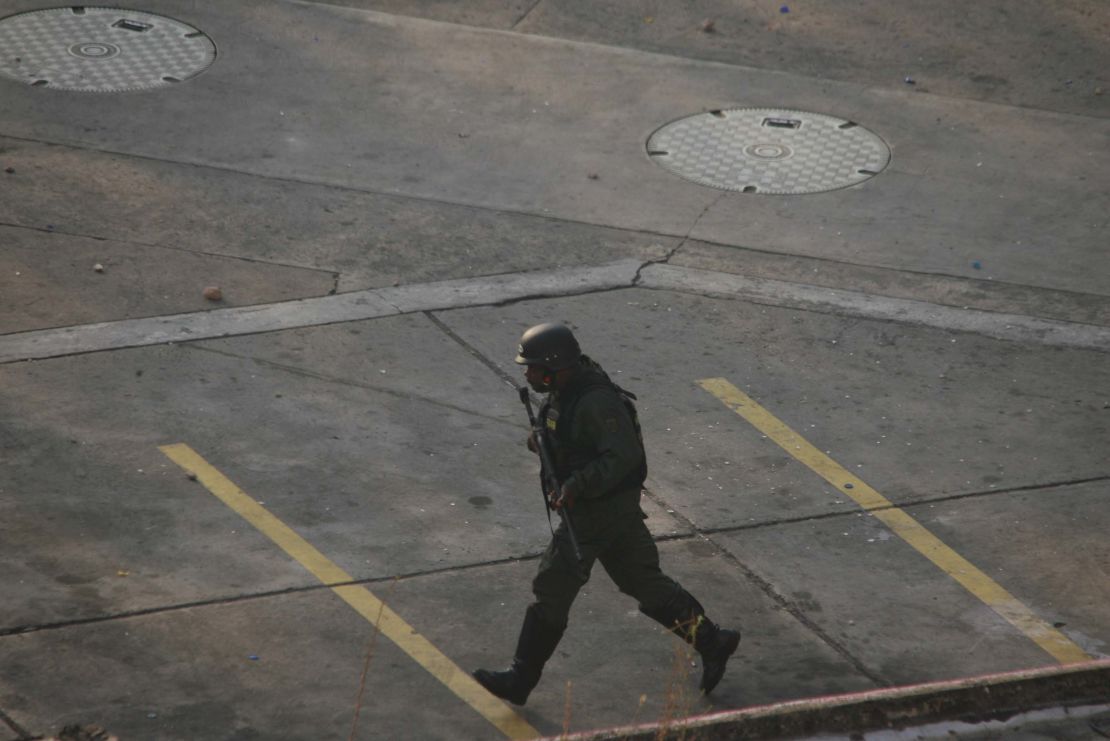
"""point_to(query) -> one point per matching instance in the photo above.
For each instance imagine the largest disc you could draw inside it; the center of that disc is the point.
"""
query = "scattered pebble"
(593, 176)
(98, 268)
(11, 170)
(910, 81)
(213, 293)
(708, 25)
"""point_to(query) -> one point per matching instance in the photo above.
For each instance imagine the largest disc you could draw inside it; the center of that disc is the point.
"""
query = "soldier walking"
(598, 454)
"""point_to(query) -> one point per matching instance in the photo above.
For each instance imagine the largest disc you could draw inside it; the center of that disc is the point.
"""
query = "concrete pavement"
(387, 201)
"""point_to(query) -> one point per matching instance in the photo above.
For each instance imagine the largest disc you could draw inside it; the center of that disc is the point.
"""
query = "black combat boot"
(716, 645)
(534, 647)
(685, 617)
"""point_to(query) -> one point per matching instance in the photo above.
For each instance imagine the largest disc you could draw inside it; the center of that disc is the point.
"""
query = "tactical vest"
(559, 423)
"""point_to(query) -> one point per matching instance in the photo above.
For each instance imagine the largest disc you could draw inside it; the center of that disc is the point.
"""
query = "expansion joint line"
(525, 15)
(10, 723)
(350, 383)
(267, 594)
(470, 349)
(768, 589)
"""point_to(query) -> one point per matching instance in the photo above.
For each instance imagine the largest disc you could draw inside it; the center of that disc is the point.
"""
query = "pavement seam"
(1007, 490)
(348, 382)
(345, 187)
(851, 303)
(510, 288)
(470, 349)
(780, 601)
(907, 505)
(691, 532)
(268, 594)
(10, 723)
(521, 18)
(489, 290)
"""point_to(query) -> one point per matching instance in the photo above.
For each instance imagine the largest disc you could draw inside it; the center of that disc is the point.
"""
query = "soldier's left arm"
(602, 419)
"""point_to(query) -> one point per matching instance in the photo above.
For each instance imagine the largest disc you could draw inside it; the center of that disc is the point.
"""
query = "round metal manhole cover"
(101, 50)
(766, 150)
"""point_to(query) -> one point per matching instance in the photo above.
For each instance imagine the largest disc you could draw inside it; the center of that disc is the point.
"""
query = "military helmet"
(549, 345)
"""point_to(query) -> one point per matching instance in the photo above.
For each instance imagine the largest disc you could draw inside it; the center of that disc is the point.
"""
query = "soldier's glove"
(532, 445)
(563, 498)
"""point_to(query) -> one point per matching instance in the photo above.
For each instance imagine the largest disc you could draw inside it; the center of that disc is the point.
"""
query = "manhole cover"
(764, 150)
(101, 50)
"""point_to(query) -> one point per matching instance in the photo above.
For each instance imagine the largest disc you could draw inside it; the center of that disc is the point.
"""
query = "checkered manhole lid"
(101, 50)
(767, 150)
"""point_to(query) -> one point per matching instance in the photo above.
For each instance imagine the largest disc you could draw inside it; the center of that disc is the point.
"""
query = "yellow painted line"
(963, 571)
(361, 599)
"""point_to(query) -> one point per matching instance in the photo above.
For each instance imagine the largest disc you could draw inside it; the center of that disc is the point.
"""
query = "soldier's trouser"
(626, 550)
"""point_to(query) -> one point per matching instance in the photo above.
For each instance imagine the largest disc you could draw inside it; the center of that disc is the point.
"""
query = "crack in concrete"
(542, 296)
(637, 279)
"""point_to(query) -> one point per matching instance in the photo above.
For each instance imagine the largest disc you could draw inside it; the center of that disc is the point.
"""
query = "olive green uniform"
(599, 457)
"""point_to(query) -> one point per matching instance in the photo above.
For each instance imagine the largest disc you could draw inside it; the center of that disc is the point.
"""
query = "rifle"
(547, 471)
